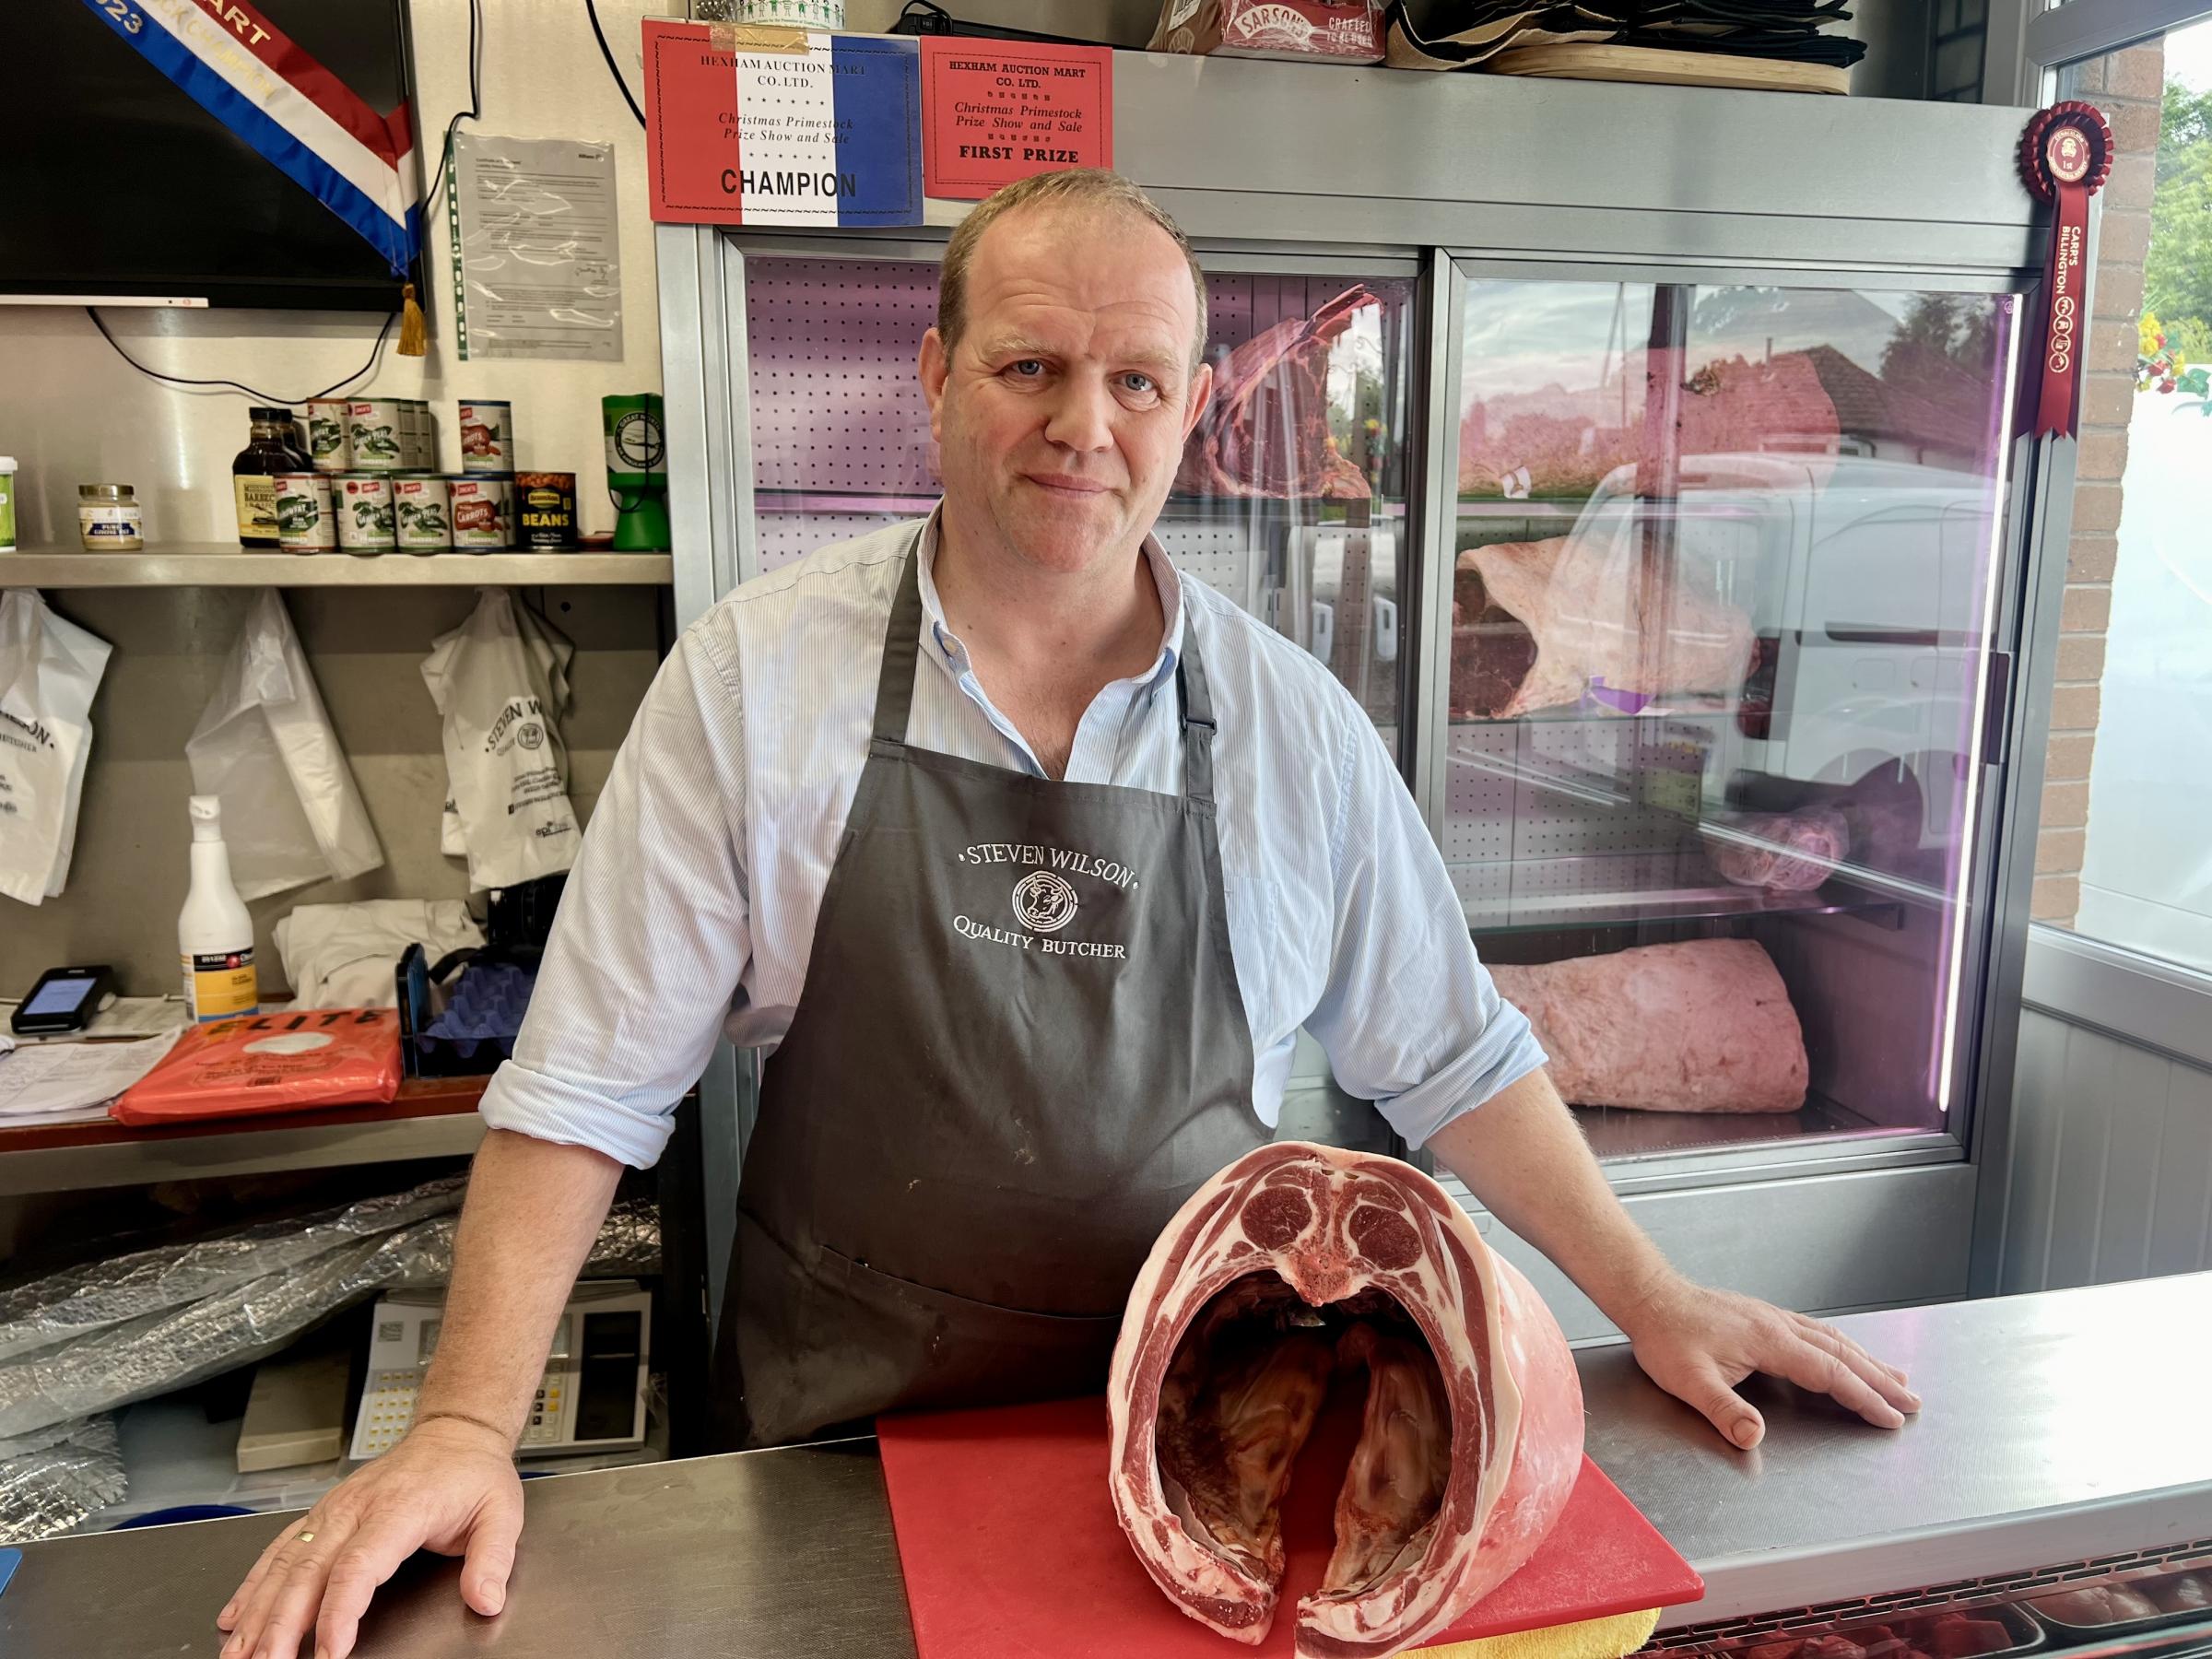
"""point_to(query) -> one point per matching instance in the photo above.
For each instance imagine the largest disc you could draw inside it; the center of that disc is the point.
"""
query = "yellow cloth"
(1591, 1638)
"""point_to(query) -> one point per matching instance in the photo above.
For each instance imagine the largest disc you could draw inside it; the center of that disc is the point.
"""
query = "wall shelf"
(218, 564)
(431, 1118)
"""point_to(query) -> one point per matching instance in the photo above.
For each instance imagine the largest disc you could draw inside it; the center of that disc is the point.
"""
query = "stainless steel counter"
(2058, 1427)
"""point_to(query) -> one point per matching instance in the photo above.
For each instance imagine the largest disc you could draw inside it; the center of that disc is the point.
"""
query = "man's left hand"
(1698, 1343)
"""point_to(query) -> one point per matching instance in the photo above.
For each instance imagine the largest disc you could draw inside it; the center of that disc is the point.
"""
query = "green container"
(636, 471)
(7, 503)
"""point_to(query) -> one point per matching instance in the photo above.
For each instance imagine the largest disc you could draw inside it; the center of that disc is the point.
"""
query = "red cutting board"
(1011, 1549)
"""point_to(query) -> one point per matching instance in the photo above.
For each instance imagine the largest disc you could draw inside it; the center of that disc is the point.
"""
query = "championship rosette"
(2066, 155)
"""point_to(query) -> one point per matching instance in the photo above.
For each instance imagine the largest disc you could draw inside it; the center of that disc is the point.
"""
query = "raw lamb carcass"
(1266, 432)
(1296, 1262)
(1535, 624)
(1703, 1025)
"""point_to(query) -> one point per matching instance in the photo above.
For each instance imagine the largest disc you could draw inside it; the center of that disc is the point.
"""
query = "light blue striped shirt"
(691, 908)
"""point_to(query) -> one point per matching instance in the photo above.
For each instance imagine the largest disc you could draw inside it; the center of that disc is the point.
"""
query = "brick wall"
(2127, 87)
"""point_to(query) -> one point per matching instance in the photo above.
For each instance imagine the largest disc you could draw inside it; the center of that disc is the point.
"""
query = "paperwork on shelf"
(71, 1083)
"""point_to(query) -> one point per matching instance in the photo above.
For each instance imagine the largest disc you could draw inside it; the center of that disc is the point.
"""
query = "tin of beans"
(327, 445)
(545, 511)
(488, 437)
(364, 513)
(483, 516)
(374, 435)
(423, 512)
(305, 523)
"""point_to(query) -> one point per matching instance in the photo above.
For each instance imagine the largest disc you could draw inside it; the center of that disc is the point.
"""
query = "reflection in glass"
(1291, 499)
(1292, 496)
(1719, 628)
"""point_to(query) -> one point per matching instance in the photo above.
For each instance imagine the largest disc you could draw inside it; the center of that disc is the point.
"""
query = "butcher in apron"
(968, 1232)
(1018, 1041)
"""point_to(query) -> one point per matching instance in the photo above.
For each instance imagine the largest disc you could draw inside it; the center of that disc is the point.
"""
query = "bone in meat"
(1395, 1482)
(1266, 431)
(1292, 1238)
(1536, 623)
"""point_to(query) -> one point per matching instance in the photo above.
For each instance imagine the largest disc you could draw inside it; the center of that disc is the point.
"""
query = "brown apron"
(1019, 1047)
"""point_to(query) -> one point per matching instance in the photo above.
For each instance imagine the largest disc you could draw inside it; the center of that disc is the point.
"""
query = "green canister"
(7, 503)
(636, 471)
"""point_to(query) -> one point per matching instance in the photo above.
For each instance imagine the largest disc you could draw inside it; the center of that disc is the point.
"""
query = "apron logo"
(1043, 902)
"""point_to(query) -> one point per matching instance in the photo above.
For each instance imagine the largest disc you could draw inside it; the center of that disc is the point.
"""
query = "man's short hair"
(1096, 188)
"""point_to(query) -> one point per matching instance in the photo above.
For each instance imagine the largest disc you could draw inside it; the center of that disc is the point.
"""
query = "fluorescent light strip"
(1994, 569)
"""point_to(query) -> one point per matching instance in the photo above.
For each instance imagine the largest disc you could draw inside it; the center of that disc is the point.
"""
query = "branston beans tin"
(304, 521)
(544, 510)
(483, 515)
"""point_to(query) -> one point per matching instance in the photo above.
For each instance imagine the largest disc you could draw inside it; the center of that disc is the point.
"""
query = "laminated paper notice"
(534, 227)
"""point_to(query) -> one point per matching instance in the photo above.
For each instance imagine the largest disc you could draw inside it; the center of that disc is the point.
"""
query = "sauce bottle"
(274, 449)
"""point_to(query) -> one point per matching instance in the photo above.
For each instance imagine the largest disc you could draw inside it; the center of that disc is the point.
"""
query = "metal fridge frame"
(1550, 177)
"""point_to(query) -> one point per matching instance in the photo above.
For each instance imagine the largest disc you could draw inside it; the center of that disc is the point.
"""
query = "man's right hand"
(448, 1486)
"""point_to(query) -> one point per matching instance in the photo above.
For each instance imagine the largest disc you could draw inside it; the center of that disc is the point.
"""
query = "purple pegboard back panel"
(832, 344)
(836, 404)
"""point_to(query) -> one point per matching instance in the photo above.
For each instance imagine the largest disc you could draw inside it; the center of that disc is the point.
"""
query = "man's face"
(1061, 414)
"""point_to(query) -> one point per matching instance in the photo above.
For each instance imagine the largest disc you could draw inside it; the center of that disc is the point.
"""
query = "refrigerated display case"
(1640, 460)
(1723, 559)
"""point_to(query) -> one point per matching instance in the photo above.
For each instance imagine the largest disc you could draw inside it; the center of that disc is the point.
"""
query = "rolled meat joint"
(1267, 430)
(1535, 625)
(1295, 1264)
(1783, 852)
(1704, 1025)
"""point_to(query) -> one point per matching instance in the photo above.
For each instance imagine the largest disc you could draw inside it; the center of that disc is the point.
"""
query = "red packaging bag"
(1345, 31)
(293, 1060)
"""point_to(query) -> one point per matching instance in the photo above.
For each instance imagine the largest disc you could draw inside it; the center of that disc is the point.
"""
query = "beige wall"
(2125, 86)
(70, 411)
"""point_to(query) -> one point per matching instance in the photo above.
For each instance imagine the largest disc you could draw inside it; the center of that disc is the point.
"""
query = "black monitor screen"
(130, 187)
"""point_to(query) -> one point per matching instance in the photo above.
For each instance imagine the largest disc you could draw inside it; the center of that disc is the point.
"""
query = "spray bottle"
(215, 934)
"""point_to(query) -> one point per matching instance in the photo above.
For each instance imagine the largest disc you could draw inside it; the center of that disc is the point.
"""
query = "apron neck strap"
(902, 651)
(1197, 716)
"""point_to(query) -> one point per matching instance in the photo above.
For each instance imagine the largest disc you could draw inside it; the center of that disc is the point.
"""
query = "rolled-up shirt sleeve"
(652, 933)
(1409, 1017)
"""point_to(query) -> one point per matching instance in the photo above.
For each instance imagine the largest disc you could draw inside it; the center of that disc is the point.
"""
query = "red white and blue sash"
(254, 79)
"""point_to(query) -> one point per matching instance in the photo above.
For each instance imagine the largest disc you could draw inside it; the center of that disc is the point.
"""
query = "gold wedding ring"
(305, 1537)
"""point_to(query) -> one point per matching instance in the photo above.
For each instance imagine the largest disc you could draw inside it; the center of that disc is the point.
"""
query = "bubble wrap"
(170, 1317)
(51, 1480)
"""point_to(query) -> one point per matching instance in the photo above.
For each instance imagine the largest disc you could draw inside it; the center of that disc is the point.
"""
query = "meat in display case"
(1292, 496)
(1721, 642)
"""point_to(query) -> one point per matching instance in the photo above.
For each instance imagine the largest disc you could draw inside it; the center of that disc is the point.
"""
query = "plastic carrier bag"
(549, 649)
(49, 671)
(507, 770)
(291, 812)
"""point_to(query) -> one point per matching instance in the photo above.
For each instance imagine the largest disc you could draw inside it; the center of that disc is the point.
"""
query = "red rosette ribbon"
(2066, 155)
